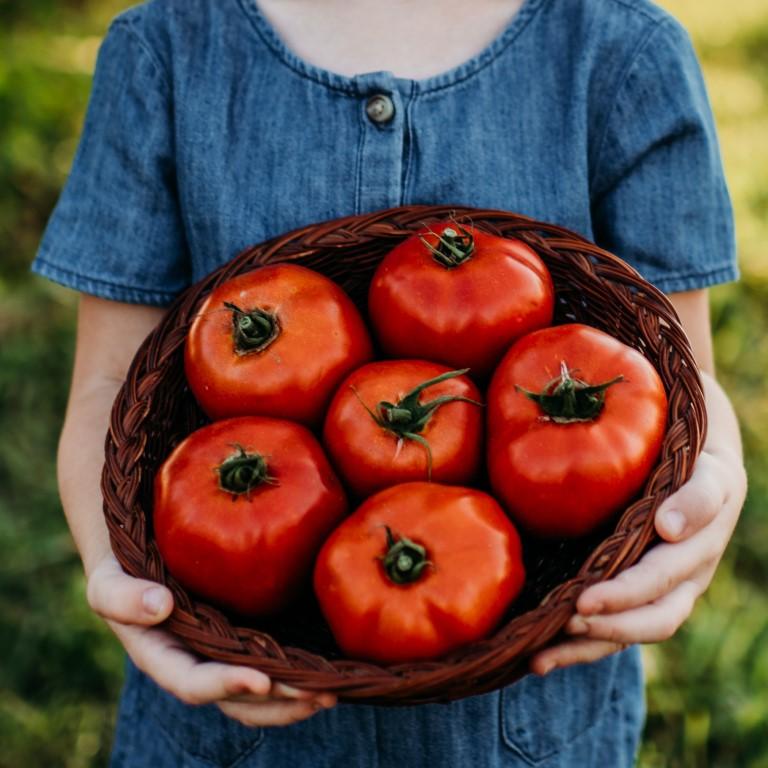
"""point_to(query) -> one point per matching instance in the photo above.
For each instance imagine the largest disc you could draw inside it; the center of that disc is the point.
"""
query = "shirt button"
(380, 108)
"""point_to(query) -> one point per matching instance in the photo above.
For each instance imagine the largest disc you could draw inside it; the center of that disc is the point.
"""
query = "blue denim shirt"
(205, 134)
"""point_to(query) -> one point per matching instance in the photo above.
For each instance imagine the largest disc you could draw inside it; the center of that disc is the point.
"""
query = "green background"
(61, 669)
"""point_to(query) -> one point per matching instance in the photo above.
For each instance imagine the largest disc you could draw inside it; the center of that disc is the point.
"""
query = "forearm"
(108, 334)
(723, 436)
(80, 462)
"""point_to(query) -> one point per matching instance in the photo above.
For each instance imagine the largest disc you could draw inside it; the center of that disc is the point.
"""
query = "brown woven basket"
(154, 411)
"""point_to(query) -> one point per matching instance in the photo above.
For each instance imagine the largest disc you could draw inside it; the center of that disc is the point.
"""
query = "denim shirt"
(206, 134)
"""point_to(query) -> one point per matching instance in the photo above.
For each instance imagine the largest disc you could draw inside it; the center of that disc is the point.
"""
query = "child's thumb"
(116, 596)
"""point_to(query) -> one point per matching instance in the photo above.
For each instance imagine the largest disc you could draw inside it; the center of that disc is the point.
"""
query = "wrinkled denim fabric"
(584, 716)
(205, 135)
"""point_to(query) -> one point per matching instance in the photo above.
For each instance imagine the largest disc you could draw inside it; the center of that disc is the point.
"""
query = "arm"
(132, 606)
(649, 601)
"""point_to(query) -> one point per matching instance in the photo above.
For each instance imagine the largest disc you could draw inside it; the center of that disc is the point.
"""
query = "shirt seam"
(352, 90)
(359, 162)
(68, 273)
(160, 70)
(622, 80)
(696, 282)
(491, 58)
(408, 137)
(285, 62)
(725, 266)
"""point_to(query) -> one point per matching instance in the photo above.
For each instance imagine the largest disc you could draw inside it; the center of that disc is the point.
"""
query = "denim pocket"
(542, 716)
(202, 733)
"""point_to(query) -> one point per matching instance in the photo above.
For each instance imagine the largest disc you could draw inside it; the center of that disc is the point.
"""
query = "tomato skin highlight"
(367, 456)
(465, 316)
(252, 552)
(321, 337)
(564, 480)
(475, 573)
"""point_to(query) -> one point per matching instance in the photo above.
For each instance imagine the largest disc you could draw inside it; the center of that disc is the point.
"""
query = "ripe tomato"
(458, 296)
(274, 342)
(576, 421)
(400, 420)
(241, 509)
(418, 570)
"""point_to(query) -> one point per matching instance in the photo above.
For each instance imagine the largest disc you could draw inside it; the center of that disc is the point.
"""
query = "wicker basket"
(154, 410)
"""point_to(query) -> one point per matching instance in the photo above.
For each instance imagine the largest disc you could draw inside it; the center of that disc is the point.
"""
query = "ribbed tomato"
(418, 570)
(274, 342)
(459, 296)
(576, 420)
(241, 508)
(399, 420)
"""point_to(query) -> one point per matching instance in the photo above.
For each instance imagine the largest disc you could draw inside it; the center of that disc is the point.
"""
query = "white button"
(380, 108)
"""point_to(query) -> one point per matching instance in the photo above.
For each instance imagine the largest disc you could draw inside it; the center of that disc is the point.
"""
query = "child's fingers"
(607, 634)
(696, 503)
(179, 672)
(270, 713)
(127, 604)
(323, 699)
(692, 558)
(115, 595)
(650, 623)
(281, 691)
(572, 652)
(659, 572)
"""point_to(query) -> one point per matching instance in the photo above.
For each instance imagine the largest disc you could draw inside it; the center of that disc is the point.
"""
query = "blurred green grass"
(61, 668)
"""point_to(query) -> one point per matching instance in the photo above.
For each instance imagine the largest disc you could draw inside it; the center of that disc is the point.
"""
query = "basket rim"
(484, 660)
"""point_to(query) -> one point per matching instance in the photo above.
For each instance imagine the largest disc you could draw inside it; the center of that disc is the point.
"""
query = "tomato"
(241, 508)
(458, 296)
(575, 420)
(400, 420)
(418, 570)
(274, 342)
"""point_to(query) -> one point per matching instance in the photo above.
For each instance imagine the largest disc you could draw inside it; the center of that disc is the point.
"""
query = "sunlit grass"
(717, 24)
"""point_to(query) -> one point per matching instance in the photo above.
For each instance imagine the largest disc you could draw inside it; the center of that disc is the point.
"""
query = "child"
(215, 124)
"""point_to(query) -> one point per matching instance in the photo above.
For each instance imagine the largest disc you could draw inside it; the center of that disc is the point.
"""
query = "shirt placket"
(380, 166)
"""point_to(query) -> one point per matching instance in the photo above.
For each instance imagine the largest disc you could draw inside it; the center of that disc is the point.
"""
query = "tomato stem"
(254, 330)
(241, 472)
(453, 248)
(567, 400)
(404, 560)
(407, 418)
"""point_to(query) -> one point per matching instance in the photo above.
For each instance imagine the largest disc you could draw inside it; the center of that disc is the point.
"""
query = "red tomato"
(458, 296)
(400, 420)
(575, 420)
(418, 570)
(241, 509)
(274, 342)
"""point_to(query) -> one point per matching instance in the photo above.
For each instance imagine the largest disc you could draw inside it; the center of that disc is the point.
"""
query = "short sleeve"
(659, 196)
(116, 231)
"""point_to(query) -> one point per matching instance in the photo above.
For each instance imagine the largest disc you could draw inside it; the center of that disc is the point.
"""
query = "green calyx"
(404, 560)
(254, 330)
(242, 472)
(407, 418)
(566, 400)
(454, 246)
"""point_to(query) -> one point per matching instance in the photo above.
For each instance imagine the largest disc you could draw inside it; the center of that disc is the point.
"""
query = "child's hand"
(648, 602)
(131, 608)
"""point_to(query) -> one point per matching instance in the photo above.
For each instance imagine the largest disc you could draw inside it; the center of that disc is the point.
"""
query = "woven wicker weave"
(154, 411)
